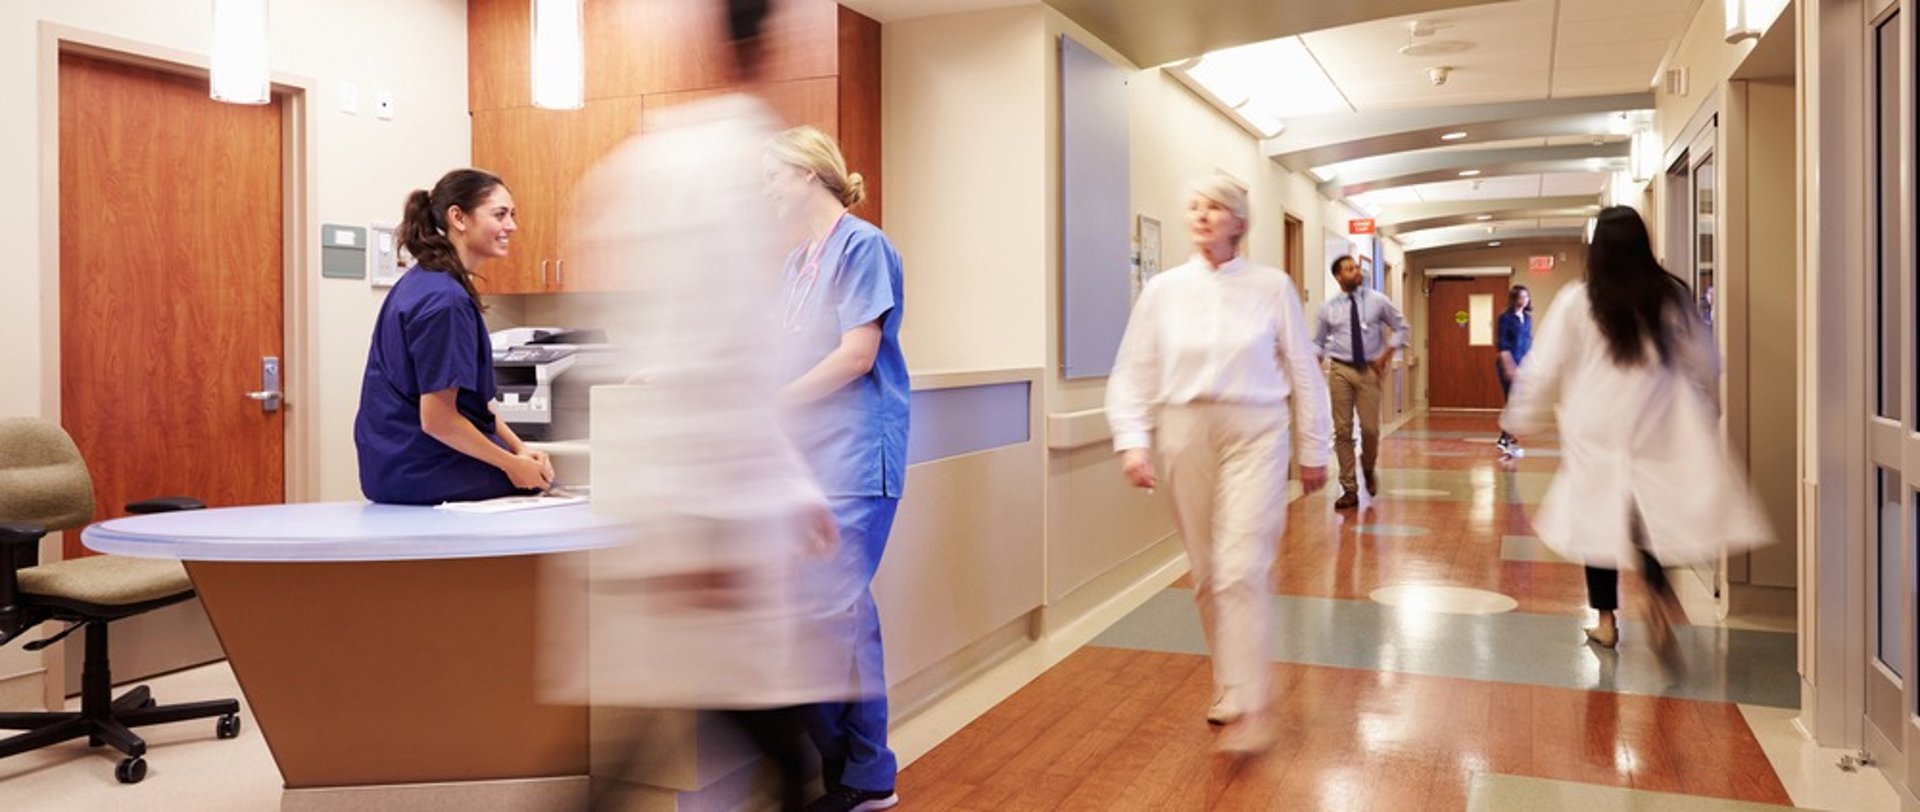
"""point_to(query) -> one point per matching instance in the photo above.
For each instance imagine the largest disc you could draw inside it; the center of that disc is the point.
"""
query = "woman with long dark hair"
(1630, 372)
(426, 432)
(1513, 340)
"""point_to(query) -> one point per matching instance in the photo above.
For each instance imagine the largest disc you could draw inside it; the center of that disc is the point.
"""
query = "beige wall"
(1770, 348)
(364, 167)
(962, 105)
(1570, 265)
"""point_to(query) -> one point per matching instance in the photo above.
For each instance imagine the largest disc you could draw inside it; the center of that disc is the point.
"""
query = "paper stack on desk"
(509, 504)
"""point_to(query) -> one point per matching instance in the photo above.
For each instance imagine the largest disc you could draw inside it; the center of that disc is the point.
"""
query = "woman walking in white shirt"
(1644, 478)
(1215, 354)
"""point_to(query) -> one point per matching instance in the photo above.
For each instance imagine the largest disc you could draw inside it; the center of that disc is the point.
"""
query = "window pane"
(1703, 228)
(1889, 327)
(1480, 320)
(1887, 571)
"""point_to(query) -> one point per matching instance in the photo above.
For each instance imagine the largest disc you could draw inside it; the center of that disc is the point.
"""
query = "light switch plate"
(350, 98)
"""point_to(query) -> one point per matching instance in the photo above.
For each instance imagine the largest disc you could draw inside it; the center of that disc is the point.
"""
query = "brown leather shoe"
(1347, 501)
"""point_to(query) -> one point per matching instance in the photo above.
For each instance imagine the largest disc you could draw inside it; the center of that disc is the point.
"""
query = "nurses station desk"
(382, 645)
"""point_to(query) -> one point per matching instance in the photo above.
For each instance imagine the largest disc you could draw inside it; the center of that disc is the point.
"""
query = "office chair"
(44, 486)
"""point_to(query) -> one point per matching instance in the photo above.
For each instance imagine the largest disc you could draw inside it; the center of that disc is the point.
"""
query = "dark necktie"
(1353, 325)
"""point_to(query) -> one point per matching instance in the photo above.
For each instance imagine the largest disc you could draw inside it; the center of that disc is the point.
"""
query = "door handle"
(269, 395)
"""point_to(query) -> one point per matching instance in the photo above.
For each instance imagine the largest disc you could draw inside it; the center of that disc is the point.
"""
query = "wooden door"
(170, 286)
(1462, 326)
(1294, 233)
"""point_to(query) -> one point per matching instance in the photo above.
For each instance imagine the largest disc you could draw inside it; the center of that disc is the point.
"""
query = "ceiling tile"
(1573, 183)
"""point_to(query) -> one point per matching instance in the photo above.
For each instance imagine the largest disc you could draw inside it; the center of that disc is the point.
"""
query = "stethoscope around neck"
(809, 273)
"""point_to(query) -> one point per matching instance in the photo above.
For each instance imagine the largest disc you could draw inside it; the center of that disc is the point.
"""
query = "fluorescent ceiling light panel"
(1494, 244)
(559, 55)
(1484, 217)
(239, 73)
(1468, 173)
(1278, 77)
(1220, 79)
(1322, 174)
(1453, 136)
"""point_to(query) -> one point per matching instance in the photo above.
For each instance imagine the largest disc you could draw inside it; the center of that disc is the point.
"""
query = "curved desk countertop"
(392, 649)
(350, 531)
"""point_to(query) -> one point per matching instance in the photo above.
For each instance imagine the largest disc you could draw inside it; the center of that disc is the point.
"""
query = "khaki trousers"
(1225, 467)
(1351, 389)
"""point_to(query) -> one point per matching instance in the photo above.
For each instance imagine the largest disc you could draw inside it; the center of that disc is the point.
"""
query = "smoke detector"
(1438, 74)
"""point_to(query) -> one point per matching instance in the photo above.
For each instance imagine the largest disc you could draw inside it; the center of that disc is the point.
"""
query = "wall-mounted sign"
(1461, 318)
(1542, 264)
(1364, 226)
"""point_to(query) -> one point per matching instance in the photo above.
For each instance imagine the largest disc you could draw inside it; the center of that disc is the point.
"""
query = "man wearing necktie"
(1353, 336)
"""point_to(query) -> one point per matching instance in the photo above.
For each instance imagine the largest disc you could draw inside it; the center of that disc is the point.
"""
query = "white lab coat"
(1645, 436)
(710, 604)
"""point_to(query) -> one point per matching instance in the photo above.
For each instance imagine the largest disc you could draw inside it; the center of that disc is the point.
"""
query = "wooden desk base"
(393, 672)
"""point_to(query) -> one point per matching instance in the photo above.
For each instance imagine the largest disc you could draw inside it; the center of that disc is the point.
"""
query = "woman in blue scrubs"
(426, 431)
(840, 306)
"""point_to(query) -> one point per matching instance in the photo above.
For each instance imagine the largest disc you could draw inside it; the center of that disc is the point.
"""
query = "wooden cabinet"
(642, 57)
(541, 155)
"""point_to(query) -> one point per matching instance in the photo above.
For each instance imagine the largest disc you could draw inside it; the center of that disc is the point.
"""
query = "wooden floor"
(1112, 728)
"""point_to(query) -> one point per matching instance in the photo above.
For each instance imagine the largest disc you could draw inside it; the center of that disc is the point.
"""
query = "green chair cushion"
(107, 580)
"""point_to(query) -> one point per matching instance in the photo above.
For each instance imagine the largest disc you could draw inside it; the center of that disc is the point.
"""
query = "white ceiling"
(888, 11)
(1515, 51)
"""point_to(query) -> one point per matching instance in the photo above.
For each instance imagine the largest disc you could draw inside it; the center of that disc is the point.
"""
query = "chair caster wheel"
(131, 770)
(228, 727)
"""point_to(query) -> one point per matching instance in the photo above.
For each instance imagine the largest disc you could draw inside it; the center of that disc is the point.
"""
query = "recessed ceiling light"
(1494, 244)
(1468, 173)
(1484, 217)
(1455, 136)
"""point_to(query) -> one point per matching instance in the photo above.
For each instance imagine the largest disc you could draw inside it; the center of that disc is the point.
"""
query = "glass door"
(1893, 449)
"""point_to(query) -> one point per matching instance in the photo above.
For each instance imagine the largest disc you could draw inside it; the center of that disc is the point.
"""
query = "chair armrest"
(19, 549)
(165, 504)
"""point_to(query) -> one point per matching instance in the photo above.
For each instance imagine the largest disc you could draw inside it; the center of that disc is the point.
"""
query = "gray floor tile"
(1726, 665)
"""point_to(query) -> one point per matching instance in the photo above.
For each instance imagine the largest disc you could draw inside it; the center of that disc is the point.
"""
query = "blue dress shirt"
(1376, 313)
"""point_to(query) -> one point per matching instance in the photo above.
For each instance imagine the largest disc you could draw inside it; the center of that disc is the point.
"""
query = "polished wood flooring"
(1112, 728)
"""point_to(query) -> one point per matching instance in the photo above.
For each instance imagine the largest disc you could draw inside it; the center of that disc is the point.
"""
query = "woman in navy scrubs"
(426, 431)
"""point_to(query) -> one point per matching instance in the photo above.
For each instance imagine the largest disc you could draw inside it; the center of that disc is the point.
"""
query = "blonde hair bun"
(856, 190)
(814, 151)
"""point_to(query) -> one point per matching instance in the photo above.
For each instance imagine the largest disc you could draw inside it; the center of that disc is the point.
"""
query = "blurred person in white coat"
(1214, 371)
(711, 605)
(1630, 371)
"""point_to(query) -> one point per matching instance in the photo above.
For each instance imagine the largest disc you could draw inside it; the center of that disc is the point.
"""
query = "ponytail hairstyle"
(423, 227)
(809, 149)
(1629, 291)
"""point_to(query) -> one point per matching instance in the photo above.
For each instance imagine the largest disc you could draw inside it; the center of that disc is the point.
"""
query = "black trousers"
(1603, 585)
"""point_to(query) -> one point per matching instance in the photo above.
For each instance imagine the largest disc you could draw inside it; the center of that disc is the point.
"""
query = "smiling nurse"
(426, 431)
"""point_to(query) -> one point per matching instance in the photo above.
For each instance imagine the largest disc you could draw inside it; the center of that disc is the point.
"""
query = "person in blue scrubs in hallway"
(426, 432)
(1514, 339)
(840, 304)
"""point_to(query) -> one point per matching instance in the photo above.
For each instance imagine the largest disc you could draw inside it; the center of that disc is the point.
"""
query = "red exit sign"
(1364, 226)
(1540, 264)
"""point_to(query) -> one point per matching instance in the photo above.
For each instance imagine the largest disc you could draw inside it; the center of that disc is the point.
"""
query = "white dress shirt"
(1235, 334)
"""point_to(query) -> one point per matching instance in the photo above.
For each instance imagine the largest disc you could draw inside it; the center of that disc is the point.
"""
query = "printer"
(534, 392)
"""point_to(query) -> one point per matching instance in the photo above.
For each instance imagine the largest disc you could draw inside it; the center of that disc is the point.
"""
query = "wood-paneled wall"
(822, 68)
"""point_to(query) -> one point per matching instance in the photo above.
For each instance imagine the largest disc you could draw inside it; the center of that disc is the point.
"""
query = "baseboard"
(562, 794)
(24, 692)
